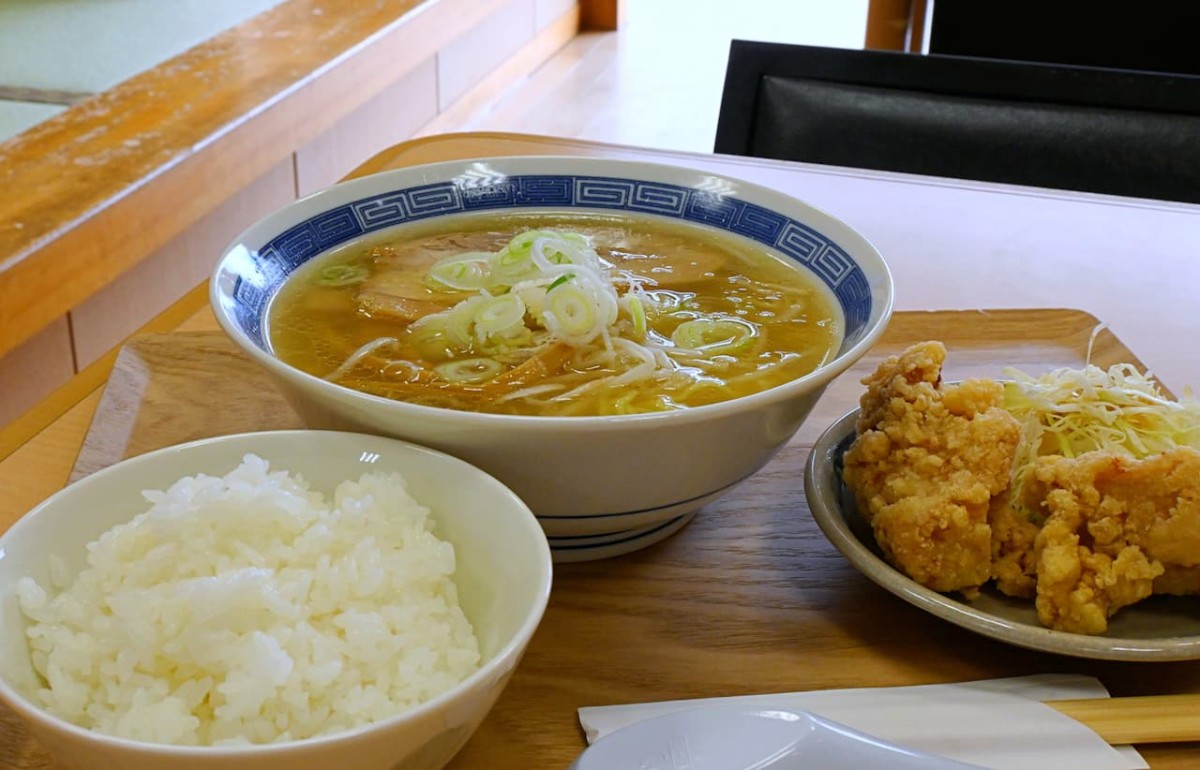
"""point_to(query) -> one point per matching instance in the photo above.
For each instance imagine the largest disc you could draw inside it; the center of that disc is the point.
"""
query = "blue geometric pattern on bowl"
(283, 254)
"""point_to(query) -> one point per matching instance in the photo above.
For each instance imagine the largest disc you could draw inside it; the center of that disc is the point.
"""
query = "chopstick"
(1140, 719)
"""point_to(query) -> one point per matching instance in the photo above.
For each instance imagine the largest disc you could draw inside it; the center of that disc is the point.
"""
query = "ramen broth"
(494, 316)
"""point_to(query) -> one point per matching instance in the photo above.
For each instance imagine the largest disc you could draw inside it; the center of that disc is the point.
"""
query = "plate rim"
(820, 474)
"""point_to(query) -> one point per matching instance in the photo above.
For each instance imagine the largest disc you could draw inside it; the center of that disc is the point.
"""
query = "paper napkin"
(996, 723)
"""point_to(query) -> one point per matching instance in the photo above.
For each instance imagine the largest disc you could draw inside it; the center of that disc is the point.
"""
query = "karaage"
(926, 465)
(1116, 530)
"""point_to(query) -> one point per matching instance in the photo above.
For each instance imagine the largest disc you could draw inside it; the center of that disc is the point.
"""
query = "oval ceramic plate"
(1157, 629)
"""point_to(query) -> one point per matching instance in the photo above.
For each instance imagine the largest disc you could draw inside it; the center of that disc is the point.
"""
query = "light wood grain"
(748, 598)
(1145, 719)
(38, 468)
(187, 386)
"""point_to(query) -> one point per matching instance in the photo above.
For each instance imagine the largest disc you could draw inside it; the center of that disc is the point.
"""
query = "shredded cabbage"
(1072, 411)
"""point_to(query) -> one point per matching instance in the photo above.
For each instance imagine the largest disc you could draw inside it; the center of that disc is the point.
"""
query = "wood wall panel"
(32, 371)
(477, 107)
(390, 118)
(470, 58)
(108, 317)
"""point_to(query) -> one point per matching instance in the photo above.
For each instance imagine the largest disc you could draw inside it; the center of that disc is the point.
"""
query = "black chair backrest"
(1077, 128)
(1156, 35)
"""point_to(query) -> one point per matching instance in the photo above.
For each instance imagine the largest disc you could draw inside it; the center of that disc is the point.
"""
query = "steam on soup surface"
(554, 314)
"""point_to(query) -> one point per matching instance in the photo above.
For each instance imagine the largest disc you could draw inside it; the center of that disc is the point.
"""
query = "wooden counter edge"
(172, 159)
(42, 415)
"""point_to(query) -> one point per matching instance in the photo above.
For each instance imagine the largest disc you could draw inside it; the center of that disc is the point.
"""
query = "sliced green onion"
(506, 342)
(498, 314)
(637, 314)
(509, 266)
(554, 248)
(521, 245)
(570, 313)
(342, 275)
(428, 336)
(666, 300)
(542, 284)
(469, 370)
(714, 335)
(460, 321)
(534, 298)
(468, 271)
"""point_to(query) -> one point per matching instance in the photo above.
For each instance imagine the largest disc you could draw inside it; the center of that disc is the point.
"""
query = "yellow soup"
(555, 314)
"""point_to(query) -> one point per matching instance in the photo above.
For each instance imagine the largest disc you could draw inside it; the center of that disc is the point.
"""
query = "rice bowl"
(249, 609)
(501, 580)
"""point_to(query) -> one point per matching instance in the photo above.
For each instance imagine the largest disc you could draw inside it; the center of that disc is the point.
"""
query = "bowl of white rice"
(293, 599)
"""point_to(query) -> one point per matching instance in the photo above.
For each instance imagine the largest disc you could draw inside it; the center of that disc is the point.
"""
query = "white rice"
(249, 609)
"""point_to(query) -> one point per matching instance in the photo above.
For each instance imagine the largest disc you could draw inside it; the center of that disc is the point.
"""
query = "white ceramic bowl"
(503, 576)
(599, 485)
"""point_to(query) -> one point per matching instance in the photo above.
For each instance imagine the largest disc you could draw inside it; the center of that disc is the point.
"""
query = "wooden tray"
(748, 598)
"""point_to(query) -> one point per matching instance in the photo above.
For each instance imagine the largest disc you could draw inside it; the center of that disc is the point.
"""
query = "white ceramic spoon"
(745, 738)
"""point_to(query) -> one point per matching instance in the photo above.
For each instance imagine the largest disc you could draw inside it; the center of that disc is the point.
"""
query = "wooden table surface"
(952, 246)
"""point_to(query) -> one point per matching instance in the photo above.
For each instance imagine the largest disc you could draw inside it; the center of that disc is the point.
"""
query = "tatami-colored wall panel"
(111, 315)
(32, 371)
(475, 54)
(16, 116)
(389, 118)
(88, 46)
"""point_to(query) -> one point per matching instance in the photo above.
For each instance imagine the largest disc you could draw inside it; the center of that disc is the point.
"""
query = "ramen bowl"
(502, 578)
(599, 485)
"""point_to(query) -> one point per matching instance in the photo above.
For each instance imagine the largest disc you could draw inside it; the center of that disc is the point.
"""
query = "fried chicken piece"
(926, 464)
(1014, 561)
(1116, 530)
